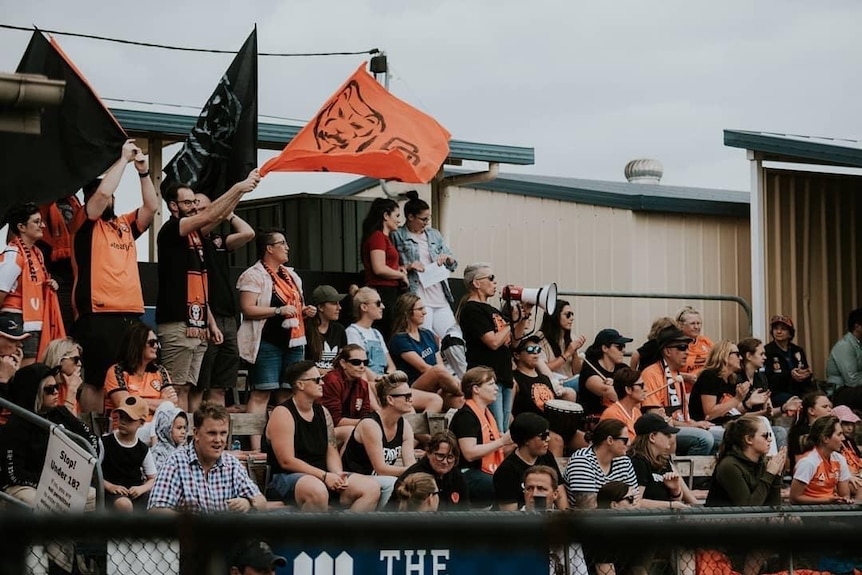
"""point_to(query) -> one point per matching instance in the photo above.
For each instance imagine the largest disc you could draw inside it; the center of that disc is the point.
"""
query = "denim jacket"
(408, 252)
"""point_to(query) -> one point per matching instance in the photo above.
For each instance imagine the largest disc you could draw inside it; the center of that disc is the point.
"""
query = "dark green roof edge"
(276, 136)
(583, 194)
(820, 150)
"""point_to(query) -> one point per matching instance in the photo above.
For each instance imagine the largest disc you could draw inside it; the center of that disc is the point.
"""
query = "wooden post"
(155, 150)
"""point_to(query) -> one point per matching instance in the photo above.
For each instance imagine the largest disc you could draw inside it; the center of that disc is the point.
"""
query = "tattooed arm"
(333, 459)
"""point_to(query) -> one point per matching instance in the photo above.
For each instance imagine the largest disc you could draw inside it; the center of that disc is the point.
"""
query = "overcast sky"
(589, 85)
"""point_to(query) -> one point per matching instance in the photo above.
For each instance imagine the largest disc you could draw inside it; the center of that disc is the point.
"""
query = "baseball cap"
(326, 293)
(527, 425)
(671, 334)
(134, 407)
(610, 336)
(11, 328)
(257, 554)
(844, 413)
(653, 423)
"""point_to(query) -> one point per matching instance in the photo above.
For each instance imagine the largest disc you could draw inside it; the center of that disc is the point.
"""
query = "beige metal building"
(599, 236)
(806, 238)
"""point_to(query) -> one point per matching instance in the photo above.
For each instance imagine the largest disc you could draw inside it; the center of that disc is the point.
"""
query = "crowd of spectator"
(521, 395)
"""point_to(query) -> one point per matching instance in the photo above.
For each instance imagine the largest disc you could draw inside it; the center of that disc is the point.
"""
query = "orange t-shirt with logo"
(147, 386)
(821, 476)
(696, 359)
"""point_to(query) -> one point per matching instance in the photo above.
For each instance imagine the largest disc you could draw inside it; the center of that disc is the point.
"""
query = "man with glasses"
(183, 316)
(11, 353)
(299, 442)
(665, 392)
(530, 433)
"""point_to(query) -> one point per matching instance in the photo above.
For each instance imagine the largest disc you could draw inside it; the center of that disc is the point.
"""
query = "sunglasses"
(569, 314)
(620, 346)
(544, 436)
(408, 395)
(736, 353)
(356, 361)
(639, 384)
(625, 440)
(630, 499)
(378, 303)
(444, 457)
(153, 343)
(490, 278)
(533, 349)
(318, 379)
(767, 436)
(51, 389)
(76, 359)
(679, 347)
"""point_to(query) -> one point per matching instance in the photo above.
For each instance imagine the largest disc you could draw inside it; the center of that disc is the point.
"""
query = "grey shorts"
(181, 355)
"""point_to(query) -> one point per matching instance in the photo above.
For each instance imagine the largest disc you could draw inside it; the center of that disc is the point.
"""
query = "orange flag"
(363, 129)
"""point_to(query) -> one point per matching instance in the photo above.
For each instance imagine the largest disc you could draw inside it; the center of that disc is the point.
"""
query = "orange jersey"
(821, 476)
(616, 411)
(696, 360)
(147, 386)
(659, 394)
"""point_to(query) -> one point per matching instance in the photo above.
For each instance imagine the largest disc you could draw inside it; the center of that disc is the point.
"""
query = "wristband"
(324, 478)
(144, 174)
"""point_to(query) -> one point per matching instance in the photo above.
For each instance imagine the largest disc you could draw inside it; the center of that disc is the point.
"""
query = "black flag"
(222, 147)
(80, 138)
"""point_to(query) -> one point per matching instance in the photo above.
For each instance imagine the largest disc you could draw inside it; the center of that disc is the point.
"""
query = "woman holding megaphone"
(489, 335)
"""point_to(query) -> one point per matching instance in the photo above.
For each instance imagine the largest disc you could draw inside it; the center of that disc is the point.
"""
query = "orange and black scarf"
(490, 432)
(57, 234)
(196, 288)
(289, 293)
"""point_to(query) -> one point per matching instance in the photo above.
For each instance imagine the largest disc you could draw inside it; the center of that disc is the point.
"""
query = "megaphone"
(545, 297)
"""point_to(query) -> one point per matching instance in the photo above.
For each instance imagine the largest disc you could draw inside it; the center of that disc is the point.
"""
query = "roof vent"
(644, 171)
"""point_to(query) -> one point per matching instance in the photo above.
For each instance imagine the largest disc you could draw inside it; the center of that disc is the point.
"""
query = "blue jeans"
(573, 383)
(502, 407)
(480, 485)
(266, 371)
(696, 441)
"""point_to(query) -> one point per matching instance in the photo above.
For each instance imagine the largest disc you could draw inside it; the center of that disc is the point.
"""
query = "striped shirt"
(585, 475)
(182, 485)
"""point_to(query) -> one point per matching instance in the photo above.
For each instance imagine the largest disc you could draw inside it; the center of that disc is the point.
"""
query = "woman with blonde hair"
(690, 322)
(716, 396)
(367, 309)
(659, 483)
(63, 356)
(418, 492)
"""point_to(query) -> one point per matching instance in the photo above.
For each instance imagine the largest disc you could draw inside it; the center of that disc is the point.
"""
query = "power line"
(195, 108)
(184, 48)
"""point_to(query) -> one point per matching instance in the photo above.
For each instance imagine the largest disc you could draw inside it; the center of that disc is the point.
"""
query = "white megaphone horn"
(545, 297)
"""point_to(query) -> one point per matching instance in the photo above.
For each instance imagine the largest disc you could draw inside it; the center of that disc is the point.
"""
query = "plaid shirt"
(182, 484)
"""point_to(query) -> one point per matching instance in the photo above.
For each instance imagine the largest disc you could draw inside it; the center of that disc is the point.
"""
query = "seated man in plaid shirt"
(200, 477)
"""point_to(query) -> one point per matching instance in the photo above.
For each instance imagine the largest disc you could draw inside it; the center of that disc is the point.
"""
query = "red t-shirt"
(379, 241)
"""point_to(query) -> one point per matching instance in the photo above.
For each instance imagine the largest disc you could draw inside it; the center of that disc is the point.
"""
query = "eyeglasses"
(639, 384)
(569, 314)
(630, 499)
(51, 389)
(76, 359)
(679, 347)
(490, 278)
(533, 349)
(318, 379)
(408, 395)
(444, 457)
(281, 243)
(356, 361)
(189, 203)
(424, 220)
(620, 346)
(625, 440)
(153, 343)
(544, 436)
(736, 352)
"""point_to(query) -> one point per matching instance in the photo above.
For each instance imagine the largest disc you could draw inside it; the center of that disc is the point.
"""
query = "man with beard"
(183, 315)
(107, 293)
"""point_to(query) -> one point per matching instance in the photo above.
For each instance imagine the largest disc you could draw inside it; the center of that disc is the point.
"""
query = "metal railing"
(746, 307)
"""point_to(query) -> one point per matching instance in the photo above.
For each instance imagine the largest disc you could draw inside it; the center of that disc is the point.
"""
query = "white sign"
(433, 275)
(65, 479)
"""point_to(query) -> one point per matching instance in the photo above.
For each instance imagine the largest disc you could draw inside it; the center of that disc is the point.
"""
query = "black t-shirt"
(709, 383)
(591, 402)
(453, 489)
(222, 295)
(172, 302)
(532, 394)
(123, 465)
(477, 319)
(272, 331)
(508, 477)
(466, 424)
(333, 340)
(654, 487)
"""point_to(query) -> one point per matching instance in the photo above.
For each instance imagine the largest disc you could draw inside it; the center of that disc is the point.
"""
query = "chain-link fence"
(646, 542)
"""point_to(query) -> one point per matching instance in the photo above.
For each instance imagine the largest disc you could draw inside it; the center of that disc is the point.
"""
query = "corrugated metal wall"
(532, 241)
(813, 244)
(323, 231)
